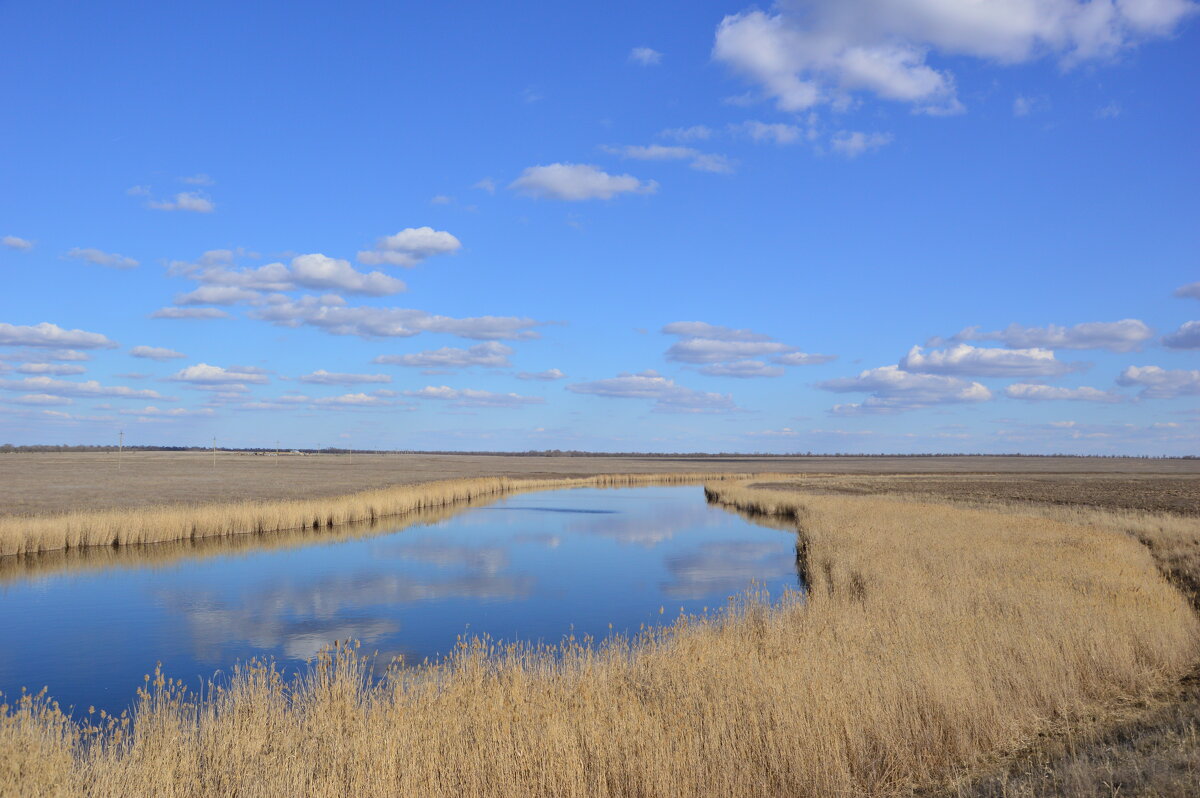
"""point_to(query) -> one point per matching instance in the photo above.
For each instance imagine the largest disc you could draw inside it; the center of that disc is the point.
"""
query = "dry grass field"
(57, 482)
(941, 648)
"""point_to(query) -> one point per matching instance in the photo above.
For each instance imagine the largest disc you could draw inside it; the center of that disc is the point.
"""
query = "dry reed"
(25, 535)
(931, 637)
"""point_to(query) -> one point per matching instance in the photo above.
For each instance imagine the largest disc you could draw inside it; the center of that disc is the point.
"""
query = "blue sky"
(610, 226)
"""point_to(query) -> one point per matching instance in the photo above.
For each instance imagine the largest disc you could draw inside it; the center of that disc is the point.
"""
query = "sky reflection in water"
(531, 566)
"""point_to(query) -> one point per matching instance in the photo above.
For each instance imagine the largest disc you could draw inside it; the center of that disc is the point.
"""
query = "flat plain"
(43, 483)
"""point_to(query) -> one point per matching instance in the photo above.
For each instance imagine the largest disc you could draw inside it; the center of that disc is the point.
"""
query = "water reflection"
(531, 566)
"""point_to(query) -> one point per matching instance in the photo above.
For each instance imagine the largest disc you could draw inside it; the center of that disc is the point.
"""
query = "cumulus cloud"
(549, 375)
(51, 335)
(693, 133)
(110, 259)
(1186, 337)
(158, 414)
(322, 377)
(225, 285)
(770, 132)
(204, 374)
(466, 397)
(855, 143)
(728, 352)
(1189, 291)
(1125, 335)
(409, 247)
(743, 369)
(667, 395)
(353, 400)
(576, 182)
(155, 353)
(189, 313)
(185, 201)
(967, 360)
(20, 244)
(892, 389)
(803, 53)
(332, 314)
(1160, 383)
(53, 369)
(42, 399)
(490, 354)
(700, 161)
(645, 56)
(91, 388)
(1039, 393)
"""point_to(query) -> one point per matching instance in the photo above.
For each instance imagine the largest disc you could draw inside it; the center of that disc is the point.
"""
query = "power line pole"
(120, 447)
(214, 453)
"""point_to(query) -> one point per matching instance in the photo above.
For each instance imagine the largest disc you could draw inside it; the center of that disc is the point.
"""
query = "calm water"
(529, 567)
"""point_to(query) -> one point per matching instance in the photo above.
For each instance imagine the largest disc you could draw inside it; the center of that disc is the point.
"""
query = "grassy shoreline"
(933, 639)
(33, 535)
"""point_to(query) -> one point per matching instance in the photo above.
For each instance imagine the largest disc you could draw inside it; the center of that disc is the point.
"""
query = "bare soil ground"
(54, 482)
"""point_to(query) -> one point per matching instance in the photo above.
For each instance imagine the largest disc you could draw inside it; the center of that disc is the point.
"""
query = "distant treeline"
(9, 448)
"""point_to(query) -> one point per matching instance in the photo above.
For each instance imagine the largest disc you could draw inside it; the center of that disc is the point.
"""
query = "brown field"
(48, 483)
(972, 630)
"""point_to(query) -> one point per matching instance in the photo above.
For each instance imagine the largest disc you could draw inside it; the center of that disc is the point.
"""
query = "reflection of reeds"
(36, 534)
(932, 637)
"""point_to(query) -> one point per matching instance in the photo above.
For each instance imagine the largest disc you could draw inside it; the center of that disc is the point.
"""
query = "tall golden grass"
(25, 535)
(931, 638)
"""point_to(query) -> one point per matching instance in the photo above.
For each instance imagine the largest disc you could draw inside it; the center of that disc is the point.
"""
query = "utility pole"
(214, 453)
(120, 447)
(276, 452)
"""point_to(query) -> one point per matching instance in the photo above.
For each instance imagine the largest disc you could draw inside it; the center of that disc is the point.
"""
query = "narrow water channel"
(534, 566)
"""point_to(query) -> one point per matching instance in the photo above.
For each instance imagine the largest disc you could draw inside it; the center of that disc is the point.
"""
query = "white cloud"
(322, 377)
(91, 388)
(441, 199)
(668, 397)
(486, 184)
(967, 360)
(41, 399)
(1110, 111)
(330, 313)
(353, 400)
(155, 353)
(198, 180)
(710, 350)
(802, 359)
(189, 313)
(51, 369)
(490, 354)
(645, 56)
(217, 295)
(1032, 392)
(854, 143)
(1125, 335)
(773, 132)
(138, 191)
(693, 133)
(892, 389)
(409, 247)
(549, 375)
(47, 334)
(806, 52)
(702, 329)
(1160, 383)
(743, 369)
(13, 242)
(700, 161)
(152, 412)
(185, 201)
(42, 355)
(577, 182)
(313, 270)
(100, 258)
(1186, 337)
(467, 397)
(1022, 105)
(1189, 291)
(204, 374)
